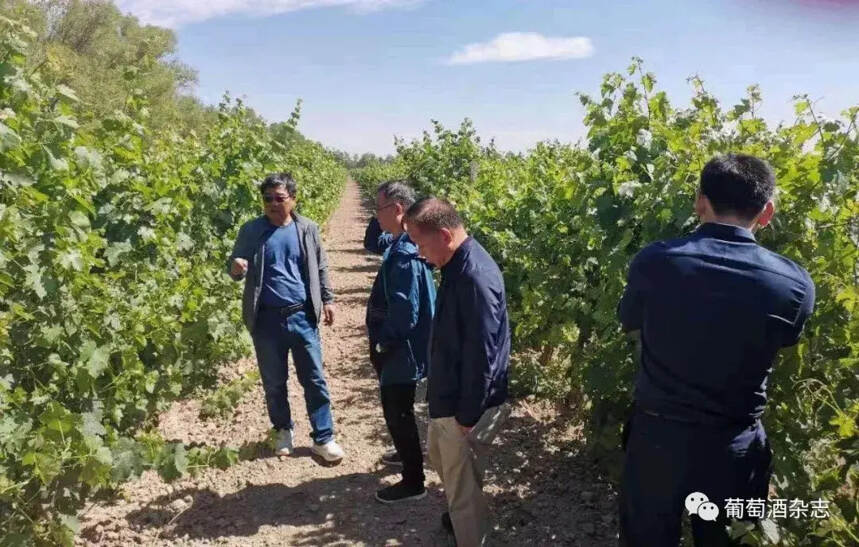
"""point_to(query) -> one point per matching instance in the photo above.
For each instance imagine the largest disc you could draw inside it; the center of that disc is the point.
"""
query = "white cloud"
(523, 46)
(174, 13)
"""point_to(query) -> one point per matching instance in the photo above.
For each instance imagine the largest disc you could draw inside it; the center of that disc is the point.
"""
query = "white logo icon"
(708, 511)
(699, 504)
(693, 500)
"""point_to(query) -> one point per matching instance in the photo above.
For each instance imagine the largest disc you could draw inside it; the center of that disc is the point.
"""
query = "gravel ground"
(543, 490)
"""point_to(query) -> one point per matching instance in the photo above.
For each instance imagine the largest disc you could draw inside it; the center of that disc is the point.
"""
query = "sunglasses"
(278, 198)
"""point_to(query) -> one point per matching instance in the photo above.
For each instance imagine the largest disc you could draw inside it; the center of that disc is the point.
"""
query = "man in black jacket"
(469, 356)
(713, 310)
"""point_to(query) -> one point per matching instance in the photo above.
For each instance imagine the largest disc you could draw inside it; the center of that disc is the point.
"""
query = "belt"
(286, 311)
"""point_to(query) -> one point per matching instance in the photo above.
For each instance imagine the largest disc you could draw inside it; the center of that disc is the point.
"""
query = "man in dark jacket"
(281, 259)
(399, 318)
(469, 356)
(713, 309)
(376, 240)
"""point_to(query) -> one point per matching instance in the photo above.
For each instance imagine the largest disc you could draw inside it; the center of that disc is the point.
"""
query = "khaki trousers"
(460, 461)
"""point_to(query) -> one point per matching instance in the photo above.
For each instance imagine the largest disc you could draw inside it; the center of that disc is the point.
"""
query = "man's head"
(435, 226)
(278, 194)
(736, 189)
(393, 198)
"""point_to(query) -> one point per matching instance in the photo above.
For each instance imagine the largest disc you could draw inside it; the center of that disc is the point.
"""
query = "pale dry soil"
(542, 487)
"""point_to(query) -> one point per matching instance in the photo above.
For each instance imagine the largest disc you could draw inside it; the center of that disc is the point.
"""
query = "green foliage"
(106, 57)
(371, 175)
(114, 298)
(564, 223)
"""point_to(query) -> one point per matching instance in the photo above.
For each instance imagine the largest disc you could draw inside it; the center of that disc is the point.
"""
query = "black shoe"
(401, 492)
(392, 457)
(446, 523)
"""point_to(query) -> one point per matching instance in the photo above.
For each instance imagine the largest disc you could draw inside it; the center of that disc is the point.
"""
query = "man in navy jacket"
(399, 318)
(713, 309)
(469, 356)
(376, 240)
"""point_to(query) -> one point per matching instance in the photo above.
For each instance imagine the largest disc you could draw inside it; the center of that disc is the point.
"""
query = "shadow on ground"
(543, 492)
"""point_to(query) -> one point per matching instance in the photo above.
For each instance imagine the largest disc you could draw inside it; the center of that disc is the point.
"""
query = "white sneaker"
(283, 442)
(330, 451)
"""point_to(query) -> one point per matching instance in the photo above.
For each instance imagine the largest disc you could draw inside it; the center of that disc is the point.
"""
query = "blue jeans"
(274, 337)
(667, 460)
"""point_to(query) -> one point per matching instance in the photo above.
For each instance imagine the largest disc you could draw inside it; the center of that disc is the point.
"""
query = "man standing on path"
(281, 259)
(713, 309)
(469, 356)
(376, 241)
(399, 318)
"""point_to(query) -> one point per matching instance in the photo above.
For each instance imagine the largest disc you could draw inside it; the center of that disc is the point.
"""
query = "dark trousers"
(274, 338)
(666, 460)
(398, 405)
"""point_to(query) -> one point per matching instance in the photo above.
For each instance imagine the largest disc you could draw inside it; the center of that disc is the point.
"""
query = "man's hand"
(239, 267)
(465, 429)
(328, 312)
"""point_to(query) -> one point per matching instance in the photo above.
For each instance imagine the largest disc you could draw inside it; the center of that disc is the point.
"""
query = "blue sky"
(371, 69)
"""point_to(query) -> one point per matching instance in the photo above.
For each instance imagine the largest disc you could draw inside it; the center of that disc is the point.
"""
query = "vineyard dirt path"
(543, 489)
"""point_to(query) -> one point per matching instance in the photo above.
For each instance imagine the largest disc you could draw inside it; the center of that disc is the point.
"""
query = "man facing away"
(469, 356)
(399, 318)
(713, 309)
(376, 240)
(286, 293)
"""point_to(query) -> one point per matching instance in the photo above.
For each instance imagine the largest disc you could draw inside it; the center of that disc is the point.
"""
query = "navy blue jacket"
(375, 239)
(400, 312)
(470, 347)
(713, 308)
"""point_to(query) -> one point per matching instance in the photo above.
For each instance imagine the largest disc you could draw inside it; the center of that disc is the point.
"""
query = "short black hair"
(433, 214)
(279, 180)
(398, 191)
(738, 184)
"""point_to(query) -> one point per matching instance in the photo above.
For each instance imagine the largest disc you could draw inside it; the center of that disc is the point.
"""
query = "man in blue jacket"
(469, 356)
(399, 318)
(281, 259)
(713, 309)
(376, 241)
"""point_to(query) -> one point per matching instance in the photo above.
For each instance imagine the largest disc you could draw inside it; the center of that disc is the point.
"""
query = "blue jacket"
(470, 347)
(400, 312)
(714, 308)
(250, 245)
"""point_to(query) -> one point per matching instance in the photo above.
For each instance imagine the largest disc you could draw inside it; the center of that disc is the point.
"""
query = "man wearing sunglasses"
(281, 259)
